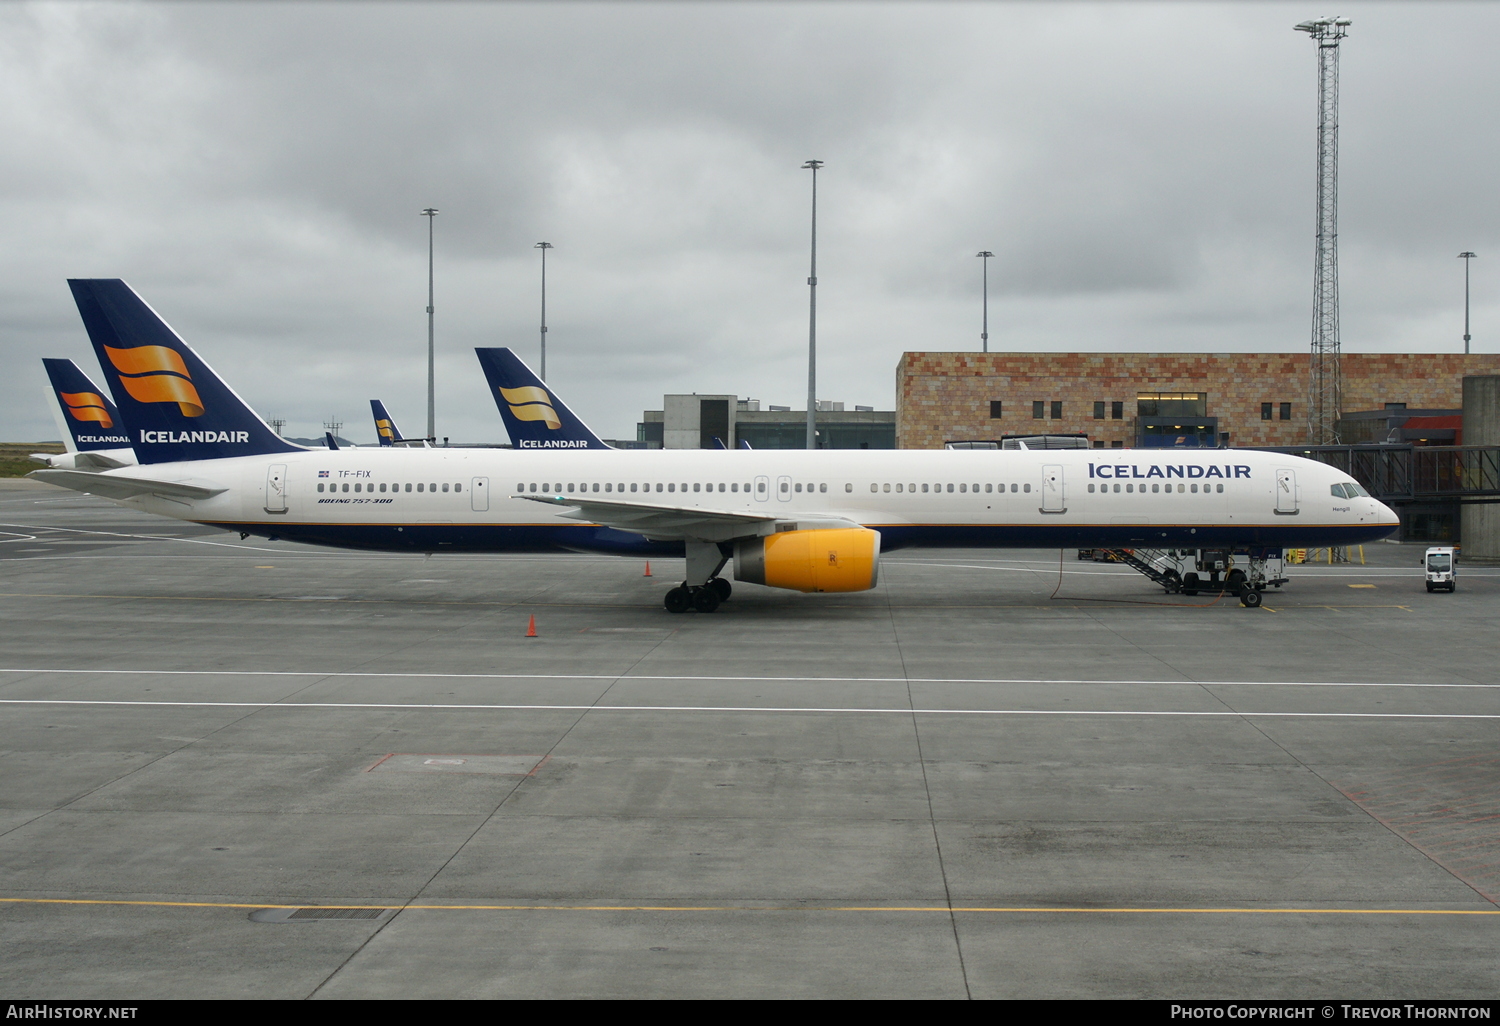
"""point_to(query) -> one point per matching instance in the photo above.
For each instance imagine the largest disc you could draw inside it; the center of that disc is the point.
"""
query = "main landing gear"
(704, 599)
(704, 589)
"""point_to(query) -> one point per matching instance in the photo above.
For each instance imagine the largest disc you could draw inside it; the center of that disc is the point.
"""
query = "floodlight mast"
(1325, 385)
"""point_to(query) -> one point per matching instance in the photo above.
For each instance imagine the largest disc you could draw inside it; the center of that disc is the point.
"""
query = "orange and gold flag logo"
(384, 427)
(156, 374)
(87, 406)
(531, 403)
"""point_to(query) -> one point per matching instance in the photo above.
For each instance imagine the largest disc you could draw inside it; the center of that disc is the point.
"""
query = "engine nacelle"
(836, 559)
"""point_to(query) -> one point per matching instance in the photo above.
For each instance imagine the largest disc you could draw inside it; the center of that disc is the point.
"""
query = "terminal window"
(1038, 410)
(995, 405)
(1116, 411)
(1099, 411)
(1265, 411)
(1286, 411)
(1171, 404)
(1056, 408)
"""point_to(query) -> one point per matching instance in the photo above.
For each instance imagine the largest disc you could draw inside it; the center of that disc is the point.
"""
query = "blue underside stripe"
(477, 538)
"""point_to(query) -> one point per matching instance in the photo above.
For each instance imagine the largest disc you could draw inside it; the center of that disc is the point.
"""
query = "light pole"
(1466, 256)
(544, 246)
(812, 316)
(984, 332)
(429, 213)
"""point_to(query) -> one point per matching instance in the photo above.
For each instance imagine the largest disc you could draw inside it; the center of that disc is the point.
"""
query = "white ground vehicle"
(1441, 568)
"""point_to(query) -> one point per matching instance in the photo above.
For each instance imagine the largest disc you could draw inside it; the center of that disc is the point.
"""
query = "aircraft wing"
(113, 486)
(657, 520)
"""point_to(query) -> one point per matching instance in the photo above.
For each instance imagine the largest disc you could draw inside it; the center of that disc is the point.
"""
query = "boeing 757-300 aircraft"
(802, 520)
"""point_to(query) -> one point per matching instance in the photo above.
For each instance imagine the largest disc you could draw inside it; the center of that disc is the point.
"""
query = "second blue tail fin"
(175, 406)
(89, 420)
(533, 415)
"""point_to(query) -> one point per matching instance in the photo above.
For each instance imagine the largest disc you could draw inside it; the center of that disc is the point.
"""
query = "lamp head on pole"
(1466, 255)
(544, 245)
(984, 253)
(813, 164)
(430, 212)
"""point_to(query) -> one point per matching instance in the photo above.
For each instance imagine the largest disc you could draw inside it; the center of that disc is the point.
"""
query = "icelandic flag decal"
(322, 473)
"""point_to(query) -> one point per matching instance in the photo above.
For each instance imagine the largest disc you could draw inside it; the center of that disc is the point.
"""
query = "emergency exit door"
(1286, 492)
(276, 489)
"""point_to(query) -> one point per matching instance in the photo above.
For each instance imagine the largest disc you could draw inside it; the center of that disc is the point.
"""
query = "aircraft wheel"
(720, 588)
(1250, 599)
(705, 600)
(678, 600)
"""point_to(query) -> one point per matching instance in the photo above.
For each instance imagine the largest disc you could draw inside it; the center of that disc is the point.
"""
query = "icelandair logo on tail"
(384, 427)
(528, 402)
(87, 406)
(156, 374)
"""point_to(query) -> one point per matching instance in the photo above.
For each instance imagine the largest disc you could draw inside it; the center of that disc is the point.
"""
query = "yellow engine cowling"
(841, 559)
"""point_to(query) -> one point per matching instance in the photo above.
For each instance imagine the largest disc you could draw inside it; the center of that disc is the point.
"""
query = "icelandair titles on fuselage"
(178, 437)
(558, 443)
(1122, 470)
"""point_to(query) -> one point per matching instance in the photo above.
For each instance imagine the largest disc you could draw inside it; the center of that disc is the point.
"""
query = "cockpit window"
(1338, 491)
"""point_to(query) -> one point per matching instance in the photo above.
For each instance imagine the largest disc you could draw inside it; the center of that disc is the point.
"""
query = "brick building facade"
(942, 397)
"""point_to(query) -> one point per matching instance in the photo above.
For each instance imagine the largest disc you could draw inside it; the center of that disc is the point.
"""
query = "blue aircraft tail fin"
(175, 406)
(534, 416)
(385, 424)
(89, 420)
(744, 443)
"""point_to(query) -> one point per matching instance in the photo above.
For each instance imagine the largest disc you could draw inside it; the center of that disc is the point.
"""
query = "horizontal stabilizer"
(113, 486)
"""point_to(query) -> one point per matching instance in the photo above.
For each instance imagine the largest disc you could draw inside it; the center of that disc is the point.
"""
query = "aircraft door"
(1286, 492)
(276, 488)
(1052, 489)
(762, 489)
(479, 494)
(784, 489)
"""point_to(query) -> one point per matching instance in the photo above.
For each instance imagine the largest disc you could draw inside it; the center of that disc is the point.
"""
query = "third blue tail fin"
(89, 419)
(533, 415)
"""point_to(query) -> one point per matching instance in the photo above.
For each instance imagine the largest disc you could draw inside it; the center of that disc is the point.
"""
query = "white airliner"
(807, 521)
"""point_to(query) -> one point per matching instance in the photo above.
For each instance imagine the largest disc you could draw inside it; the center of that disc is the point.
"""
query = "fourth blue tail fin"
(385, 424)
(533, 415)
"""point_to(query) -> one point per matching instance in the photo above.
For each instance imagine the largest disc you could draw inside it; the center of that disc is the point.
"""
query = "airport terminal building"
(1131, 400)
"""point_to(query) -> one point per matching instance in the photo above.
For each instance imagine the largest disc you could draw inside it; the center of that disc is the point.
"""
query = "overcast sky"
(1143, 173)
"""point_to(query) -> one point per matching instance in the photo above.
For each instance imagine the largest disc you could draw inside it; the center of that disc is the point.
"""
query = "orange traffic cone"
(531, 627)
(648, 569)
